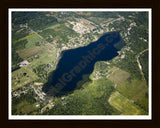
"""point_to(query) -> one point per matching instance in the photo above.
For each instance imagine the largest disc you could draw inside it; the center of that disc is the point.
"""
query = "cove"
(75, 63)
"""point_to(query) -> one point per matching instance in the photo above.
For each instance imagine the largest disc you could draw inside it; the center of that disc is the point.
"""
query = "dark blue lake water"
(77, 62)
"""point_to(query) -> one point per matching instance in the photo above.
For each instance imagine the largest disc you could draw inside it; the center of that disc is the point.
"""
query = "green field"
(25, 107)
(22, 77)
(118, 76)
(53, 26)
(29, 52)
(32, 41)
(45, 58)
(58, 32)
(124, 105)
(24, 38)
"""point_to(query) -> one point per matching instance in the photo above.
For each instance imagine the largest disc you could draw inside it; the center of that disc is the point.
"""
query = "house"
(24, 63)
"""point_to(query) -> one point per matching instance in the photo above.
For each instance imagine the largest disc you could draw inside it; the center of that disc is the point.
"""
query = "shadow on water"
(77, 62)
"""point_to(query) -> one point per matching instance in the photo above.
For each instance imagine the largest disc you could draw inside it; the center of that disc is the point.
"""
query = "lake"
(75, 63)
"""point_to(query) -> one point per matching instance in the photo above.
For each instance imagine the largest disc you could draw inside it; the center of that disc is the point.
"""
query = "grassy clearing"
(32, 41)
(19, 78)
(28, 52)
(118, 76)
(45, 58)
(136, 91)
(25, 107)
(53, 26)
(124, 105)
(27, 37)
(58, 32)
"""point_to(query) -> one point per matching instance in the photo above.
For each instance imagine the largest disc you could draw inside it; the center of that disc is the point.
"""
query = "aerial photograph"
(79, 63)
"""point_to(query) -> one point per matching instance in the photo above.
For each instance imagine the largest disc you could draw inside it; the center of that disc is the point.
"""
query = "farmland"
(133, 89)
(22, 76)
(124, 105)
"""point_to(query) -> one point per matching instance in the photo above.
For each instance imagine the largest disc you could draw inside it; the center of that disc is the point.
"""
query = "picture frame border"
(153, 123)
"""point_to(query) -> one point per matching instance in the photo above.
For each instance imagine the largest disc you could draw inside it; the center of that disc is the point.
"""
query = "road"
(139, 64)
(109, 22)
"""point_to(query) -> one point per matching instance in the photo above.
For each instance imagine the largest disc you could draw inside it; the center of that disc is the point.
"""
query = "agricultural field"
(22, 77)
(133, 89)
(29, 52)
(25, 107)
(124, 105)
(57, 32)
(33, 41)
